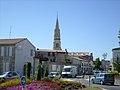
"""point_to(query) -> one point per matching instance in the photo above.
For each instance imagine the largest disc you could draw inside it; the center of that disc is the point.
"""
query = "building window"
(53, 60)
(48, 53)
(53, 54)
(31, 52)
(38, 53)
(6, 51)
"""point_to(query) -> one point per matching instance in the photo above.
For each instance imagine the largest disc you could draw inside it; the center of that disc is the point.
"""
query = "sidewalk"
(117, 82)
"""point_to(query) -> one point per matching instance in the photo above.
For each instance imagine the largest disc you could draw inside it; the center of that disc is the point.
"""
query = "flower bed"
(41, 85)
(37, 85)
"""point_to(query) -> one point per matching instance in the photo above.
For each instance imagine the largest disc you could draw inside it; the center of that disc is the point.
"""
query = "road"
(86, 82)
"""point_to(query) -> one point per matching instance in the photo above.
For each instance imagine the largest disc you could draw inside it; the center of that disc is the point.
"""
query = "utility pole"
(104, 57)
(10, 32)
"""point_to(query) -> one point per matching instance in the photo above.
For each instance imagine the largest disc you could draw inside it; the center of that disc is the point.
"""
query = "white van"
(69, 71)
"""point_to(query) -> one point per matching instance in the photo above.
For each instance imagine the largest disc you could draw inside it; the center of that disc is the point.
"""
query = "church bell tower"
(57, 41)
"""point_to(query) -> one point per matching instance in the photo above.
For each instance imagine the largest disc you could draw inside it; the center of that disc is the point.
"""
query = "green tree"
(24, 70)
(28, 69)
(119, 37)
(46, 71)
(39, 74)
(104, 56)
(116, 64)
(97, 64)
(68, 61)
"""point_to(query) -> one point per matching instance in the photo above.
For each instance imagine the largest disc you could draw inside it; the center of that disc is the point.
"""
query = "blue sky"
(85, 25)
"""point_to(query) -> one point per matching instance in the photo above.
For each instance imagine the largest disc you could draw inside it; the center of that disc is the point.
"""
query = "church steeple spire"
(57, 42)
(57, 24)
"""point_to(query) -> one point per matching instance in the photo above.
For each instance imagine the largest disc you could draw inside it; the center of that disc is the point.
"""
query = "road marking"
(104, 89)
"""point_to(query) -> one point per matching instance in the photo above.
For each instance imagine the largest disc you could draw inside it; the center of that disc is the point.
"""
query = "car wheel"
(112, 83)
(93, 81)
(101, 82)
(75, 76)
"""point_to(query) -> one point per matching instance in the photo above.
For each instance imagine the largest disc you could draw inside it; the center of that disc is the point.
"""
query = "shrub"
(2, 80)
(28, 81)
(28, 70)
(13, 82)
(115, 73)
(46, 79)
(39, 74)
(69, 83)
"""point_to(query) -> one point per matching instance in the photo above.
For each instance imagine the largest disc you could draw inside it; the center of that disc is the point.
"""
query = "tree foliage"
(28, 69)
(39, 74)
(46, 71)
(116, 64)
(68, 61)
(97, 64)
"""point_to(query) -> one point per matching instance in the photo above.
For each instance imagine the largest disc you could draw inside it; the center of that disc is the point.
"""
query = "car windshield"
(5, 73)
(66, 69)
(53, 73)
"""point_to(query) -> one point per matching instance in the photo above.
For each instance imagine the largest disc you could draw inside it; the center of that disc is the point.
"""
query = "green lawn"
(92, 88)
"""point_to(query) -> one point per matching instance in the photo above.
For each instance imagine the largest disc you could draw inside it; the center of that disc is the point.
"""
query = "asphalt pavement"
(85, 81)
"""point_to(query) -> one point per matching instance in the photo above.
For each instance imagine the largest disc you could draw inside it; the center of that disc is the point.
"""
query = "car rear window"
(109, 75)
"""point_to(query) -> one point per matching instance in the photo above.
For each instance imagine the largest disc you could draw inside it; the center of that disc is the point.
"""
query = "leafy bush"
(13, 82)
(46, 79)
(115, 73)
(2, 80)
(56, 79)
(28, 81)
(69, 83)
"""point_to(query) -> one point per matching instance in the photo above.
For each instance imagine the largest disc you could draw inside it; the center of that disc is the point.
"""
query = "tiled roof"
(116, 49)
(11, 41)
(79, 54)
(48, 50)
(77, 58)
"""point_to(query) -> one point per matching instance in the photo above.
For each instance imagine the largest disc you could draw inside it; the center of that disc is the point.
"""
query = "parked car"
(103, 78)
(54, 75)
(97, 72)
(9, 75)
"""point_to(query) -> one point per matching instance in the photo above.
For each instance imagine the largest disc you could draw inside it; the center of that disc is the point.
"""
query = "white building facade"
(15, 53)
(116, 54)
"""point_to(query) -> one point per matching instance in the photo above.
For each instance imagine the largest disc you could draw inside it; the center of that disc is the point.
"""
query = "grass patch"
(92, 88)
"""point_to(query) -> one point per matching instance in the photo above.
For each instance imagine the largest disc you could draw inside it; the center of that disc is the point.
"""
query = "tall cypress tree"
(39, 74)
(28, 70)
(46, 71)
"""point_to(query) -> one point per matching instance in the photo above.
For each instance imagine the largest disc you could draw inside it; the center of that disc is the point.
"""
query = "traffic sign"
(23, 80)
